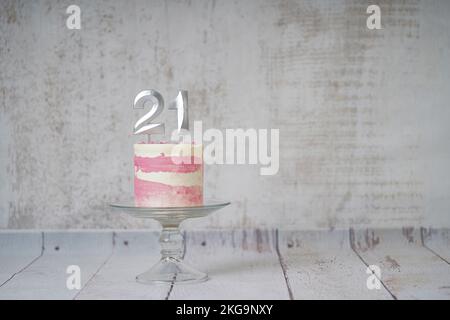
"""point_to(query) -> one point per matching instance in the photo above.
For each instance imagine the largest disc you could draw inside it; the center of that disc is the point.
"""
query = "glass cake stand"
(170, 268)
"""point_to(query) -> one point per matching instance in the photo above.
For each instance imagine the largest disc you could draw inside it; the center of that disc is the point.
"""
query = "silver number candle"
(143, 125)
(180, 104)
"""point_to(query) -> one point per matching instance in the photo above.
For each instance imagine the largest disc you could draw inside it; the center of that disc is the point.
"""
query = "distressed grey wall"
(363, 115)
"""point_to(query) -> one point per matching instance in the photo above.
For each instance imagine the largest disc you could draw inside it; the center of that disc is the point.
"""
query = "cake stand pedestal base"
(171, 268)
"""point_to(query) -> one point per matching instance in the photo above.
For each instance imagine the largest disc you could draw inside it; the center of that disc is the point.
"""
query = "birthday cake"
(168, 175)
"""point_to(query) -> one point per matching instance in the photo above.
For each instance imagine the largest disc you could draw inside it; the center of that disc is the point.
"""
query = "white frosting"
(187, 179)
(151, 150)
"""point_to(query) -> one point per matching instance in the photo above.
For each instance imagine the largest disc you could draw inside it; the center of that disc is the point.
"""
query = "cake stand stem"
(171, 268)
(171, 242)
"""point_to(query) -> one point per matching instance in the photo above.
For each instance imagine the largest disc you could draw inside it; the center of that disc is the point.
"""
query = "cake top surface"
(167, 149)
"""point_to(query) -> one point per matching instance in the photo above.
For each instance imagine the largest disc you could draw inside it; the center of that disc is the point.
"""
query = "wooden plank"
(18, 250)
(46, 277)
(408, 269)
(134, 252)
(242, 264)
(322, 265)
(438, 241)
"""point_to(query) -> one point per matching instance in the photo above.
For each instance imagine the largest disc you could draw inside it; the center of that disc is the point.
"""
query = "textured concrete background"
(363, 114)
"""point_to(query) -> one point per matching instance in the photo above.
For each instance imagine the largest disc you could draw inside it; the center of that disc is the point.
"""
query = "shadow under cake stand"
(170, 268)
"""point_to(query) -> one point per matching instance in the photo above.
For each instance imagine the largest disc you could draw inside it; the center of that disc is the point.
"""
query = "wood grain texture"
(408, 269)
(134, 252)
(46, 277)
(18, 249)
(242, 264)
(438, 241)
(363, 114)
(322, 265)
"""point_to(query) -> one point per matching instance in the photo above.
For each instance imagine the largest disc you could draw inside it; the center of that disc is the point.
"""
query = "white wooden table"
(242, 264)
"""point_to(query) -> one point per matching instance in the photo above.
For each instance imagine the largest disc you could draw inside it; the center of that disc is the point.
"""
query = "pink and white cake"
(162, 179)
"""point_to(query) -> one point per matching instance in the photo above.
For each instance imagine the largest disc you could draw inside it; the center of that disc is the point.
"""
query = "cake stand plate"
(170, 268)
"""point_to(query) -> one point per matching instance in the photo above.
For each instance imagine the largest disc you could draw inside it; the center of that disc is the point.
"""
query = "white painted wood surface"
(408, 269)
(46, 277)
(322, 265)
(18, 249)
(134, 252)
(242, 264)
(438, 241)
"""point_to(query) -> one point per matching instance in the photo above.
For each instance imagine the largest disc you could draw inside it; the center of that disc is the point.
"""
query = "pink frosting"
(156, 194)
(166, 164)
(153, 194)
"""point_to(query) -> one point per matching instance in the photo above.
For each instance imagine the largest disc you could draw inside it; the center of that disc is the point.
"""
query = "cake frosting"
(168, 175)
